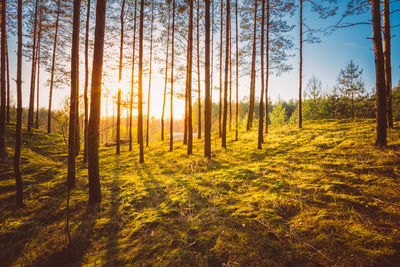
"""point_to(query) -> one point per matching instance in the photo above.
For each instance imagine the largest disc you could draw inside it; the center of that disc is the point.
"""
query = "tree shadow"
(115, 223)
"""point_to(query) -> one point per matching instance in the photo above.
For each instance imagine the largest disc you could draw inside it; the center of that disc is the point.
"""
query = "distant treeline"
(316, 106)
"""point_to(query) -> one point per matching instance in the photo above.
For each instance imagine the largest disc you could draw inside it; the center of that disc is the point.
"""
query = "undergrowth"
(322, 195)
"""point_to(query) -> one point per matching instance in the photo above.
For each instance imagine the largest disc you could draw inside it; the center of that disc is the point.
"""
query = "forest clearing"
(321, 195)
(200, 133)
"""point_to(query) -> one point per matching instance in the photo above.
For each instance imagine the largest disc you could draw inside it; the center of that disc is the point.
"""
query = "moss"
(323, 194)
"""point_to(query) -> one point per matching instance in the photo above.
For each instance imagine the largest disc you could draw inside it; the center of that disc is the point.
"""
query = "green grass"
(321, 195)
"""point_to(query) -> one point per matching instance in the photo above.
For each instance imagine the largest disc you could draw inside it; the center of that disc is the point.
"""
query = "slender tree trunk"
(95, 104)
(118, 148)
(237, 73)
(53, 63)
(212, 59)
(207, 98)
(267, 67)
(220, 71)
(388, 63)
(74, 95)
(3, 149)
(133, 78)
(140, 90)
(38, 72)
(165, 79)
(85, 93)
(33, 73)
(224, 120)
(261, 106)
(230, 75)
(151, 61)
(352, 106)
(18, 128)
(301, 67)
(185, 129)
(77, 118)
(198, 72)
(253, 72)
(8, 80)
(121, 58)
(171, 123)
(113, 118)
(381, 131)
(127, 124)
(189, 79)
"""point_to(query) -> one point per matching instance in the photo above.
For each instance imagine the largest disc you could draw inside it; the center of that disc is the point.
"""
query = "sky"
(324, 60)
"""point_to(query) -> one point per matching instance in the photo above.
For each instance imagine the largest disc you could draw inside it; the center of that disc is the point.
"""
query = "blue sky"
(325, 59)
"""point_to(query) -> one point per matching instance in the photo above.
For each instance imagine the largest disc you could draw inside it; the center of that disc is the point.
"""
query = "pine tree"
(85, 93)
(53, 65)
(207, 100)
(350, 84)
(381, 102)
(140, 91)
(18, 127)
(95, 103)
(225, 117)
(3, 150)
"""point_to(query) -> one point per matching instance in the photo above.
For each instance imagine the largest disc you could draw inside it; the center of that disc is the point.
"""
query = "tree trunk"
(237, 73)
(118, 145)
(388, 63)
(171, 123)
(225, 117)
(121, 58)
(133, 78)
(53, 68)
(301, 67)
(165, 79)
(38, 71)
(230, 75)
(74, 95)
(352, 106)
(8, 80)
(253, 73)
(185, 129)
(85, 93)
(77, 117)
(151, 61)
(220, 70)
(189, 79)
(18, 128)
(207, 98)
(267, 67)
(198, 72)
(212, 59)
(95, 104)
(381, 131)
(3, 149)
(33, 73)
(140, 90)
(261, 106)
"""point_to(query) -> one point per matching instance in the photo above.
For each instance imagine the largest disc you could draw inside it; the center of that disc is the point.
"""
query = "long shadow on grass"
(155, 189)
(48, 214)
(115, 218)
(81, 242)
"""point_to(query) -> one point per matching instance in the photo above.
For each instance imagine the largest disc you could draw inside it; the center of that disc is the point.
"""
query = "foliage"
(278, 114)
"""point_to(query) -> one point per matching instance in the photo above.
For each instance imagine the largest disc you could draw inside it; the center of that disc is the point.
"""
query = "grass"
(323, 195)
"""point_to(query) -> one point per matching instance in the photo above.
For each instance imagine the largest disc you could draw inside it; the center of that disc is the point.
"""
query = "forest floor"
(322, 195)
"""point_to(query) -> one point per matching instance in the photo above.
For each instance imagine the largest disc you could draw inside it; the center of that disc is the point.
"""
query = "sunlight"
(110, 90)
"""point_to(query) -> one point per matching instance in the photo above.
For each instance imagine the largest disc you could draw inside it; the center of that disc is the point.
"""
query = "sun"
(156, 98)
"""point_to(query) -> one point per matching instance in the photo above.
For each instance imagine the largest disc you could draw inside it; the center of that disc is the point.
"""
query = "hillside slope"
(323, 195)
